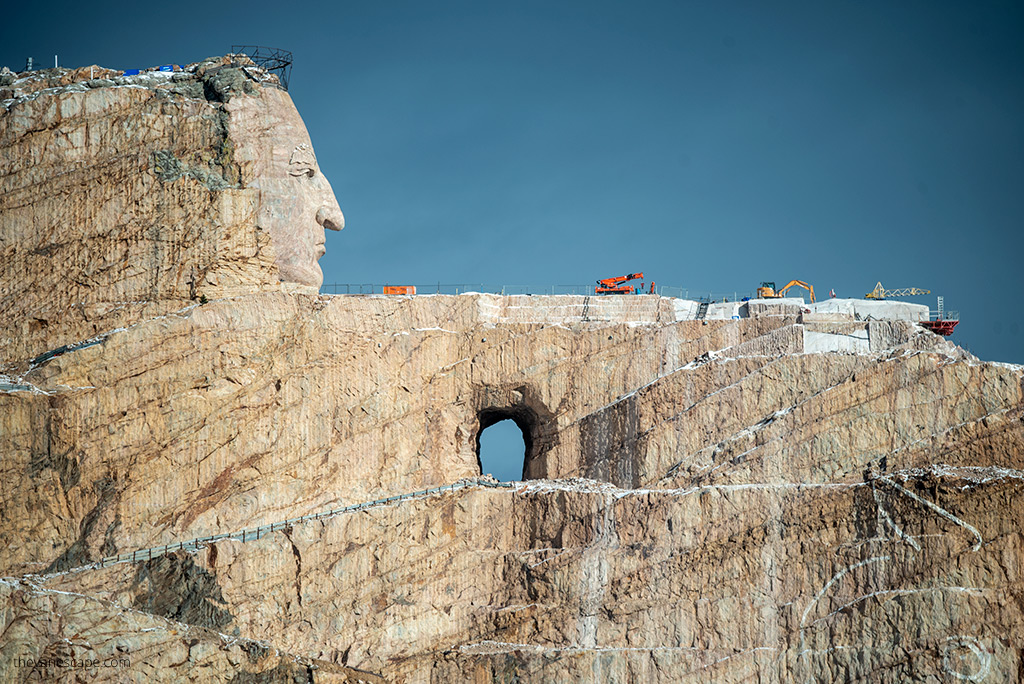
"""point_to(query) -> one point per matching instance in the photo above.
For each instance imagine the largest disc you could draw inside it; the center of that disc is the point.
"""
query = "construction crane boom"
(800, 283)
(881, 293)
(615, 285)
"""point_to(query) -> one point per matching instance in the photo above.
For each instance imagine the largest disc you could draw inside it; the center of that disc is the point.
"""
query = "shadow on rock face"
(174, 587)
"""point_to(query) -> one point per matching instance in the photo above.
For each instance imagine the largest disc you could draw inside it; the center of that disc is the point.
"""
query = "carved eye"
(302, 170)
(302, 162)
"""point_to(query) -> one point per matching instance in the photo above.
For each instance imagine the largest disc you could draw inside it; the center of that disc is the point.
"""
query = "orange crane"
(615, 285)
(768, 291)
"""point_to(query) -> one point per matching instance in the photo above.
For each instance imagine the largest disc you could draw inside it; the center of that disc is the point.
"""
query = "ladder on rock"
(702, 310)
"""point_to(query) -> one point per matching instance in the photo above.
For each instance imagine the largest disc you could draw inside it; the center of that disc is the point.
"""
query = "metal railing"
(944, 315)
(254, 533)
(501, 289)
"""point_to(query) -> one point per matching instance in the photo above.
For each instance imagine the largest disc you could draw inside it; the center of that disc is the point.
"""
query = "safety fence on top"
(583, 290)
(252, 534)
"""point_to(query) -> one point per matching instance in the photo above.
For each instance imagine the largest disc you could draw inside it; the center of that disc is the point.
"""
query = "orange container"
(400, 289)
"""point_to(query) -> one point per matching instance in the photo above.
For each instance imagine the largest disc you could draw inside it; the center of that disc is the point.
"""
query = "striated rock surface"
(123, 198)
(776, 493)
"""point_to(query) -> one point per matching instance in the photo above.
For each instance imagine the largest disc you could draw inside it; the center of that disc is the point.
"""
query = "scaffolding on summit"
(270, 59)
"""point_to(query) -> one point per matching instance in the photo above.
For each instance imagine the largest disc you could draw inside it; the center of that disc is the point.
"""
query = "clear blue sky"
(710, 145)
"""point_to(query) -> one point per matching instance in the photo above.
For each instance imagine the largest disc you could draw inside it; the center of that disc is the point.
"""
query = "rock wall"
(788, 495)
(246, 411)
(266, 407)
(898, 577)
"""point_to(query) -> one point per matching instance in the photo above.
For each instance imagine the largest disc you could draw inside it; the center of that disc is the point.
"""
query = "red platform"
(944, 327)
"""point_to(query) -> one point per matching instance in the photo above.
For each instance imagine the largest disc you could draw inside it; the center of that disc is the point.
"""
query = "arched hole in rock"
(503, 444)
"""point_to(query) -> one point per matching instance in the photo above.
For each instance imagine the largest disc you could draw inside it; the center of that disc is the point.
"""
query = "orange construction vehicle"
(615, 285)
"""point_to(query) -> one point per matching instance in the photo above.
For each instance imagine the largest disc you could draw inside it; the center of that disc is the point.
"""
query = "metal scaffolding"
(274, 60)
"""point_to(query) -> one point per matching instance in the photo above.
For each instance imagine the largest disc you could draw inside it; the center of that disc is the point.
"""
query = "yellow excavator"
(768, 291)
(881, 293)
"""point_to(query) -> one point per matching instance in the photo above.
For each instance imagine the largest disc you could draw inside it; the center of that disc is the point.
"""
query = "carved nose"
(330, 218)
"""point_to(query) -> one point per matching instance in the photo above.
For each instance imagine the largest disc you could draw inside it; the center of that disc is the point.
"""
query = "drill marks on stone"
(938, 509)
(789, 428)
(747, 431)
(193, 545)
(702, 360)
(741, 653)
(594, 573)
(561, 553)
(95, 625)
(102, 339)
(951, 428)
(974, 647)
(538, 486)
(492, 647)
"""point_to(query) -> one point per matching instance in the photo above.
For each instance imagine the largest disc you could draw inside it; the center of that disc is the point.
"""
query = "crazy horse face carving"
(296, 201)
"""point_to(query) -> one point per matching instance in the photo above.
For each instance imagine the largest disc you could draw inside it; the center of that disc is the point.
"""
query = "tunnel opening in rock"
(504, 443)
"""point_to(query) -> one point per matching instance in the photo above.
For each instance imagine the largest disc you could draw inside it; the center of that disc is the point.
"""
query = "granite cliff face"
(790, 495)
(126, 198)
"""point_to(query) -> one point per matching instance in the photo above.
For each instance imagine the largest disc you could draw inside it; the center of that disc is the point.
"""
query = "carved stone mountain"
(749, 499)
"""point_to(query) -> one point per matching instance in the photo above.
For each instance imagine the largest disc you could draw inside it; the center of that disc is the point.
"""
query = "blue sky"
(710, 145)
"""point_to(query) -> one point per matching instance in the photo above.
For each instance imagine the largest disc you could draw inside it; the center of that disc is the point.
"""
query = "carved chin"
(308, 273)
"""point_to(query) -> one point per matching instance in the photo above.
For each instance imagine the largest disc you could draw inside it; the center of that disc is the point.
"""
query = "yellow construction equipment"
(768, 291)
(791, 283)
(881, 293)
